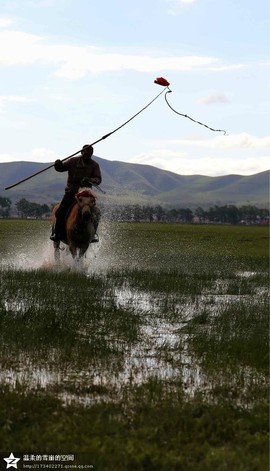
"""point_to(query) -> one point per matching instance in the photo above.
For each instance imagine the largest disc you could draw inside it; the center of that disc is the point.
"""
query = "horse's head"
(86, 200)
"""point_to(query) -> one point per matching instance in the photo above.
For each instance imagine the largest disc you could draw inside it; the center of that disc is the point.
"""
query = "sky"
(72, 71)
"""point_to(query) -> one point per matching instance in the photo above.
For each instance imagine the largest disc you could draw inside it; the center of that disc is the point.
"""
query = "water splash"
(38, 253)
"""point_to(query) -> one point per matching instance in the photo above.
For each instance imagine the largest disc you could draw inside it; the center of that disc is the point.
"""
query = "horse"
(79, 225)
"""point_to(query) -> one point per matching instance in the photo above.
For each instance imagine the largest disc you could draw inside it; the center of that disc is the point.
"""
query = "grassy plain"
(152, 356)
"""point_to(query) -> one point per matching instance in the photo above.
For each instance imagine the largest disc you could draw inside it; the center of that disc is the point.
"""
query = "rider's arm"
(63, 166)
(59, 167)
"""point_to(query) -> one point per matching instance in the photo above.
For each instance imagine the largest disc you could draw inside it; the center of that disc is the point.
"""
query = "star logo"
(12, 461)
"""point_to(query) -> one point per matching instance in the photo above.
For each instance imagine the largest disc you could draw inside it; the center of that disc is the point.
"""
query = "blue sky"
(74, 70)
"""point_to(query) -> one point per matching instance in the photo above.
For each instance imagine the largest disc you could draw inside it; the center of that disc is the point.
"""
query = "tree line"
(24, 209)
(226, 214)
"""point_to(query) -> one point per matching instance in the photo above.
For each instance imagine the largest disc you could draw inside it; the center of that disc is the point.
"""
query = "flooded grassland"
(150, 355)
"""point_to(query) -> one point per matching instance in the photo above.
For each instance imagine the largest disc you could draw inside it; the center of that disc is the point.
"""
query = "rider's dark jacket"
(78, 168)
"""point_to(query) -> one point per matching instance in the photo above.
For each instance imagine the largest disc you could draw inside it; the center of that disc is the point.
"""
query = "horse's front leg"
(73, 250)
(56, 246)
(82, 251)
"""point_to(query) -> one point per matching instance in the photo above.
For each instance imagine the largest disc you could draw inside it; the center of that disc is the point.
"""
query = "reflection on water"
(162, 350)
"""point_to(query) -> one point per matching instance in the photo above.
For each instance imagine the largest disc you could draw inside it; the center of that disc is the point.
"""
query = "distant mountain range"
(127, 183)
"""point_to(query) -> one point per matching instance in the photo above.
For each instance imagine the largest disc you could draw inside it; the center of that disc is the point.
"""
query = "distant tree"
(22, 207)
(159, 213)
(148, 213)
(136, 212)
(185, 214)
(28, 209)
(126, 213)
(200, 213)
(262, 213)
(5, 206)
(228, 214)
(214, 214)
(233, 216)
(172, 215)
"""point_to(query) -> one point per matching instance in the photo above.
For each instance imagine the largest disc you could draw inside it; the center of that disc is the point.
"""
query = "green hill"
(127, 183)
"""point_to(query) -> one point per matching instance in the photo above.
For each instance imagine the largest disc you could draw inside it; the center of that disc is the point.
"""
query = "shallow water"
(151, 357)
(163, 347)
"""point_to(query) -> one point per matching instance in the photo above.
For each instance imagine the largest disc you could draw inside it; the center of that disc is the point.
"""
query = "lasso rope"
(186, 116)
(164, 83)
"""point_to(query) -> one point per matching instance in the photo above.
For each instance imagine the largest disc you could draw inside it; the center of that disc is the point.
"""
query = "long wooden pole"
(75, 153)
(43, 170)
(37, 173)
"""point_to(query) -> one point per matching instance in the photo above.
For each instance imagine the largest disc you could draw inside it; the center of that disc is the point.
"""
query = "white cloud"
(32, 3)
(232, 141)
(214, 98)
(41, 3)
(159, 158)
(222, 155)
(182, 2)
(86, 62)
(5, 22)
(38, 154)
(5, 157)
(41, 154)
(231, 67)
(185, 164)
(5, 99)
(175, 6)
(179, 3)
(74, 62)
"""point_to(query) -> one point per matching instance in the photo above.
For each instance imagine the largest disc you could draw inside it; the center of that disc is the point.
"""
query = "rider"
(82, 171)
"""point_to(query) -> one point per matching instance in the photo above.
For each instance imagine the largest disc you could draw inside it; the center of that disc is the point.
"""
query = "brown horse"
(79, 227)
